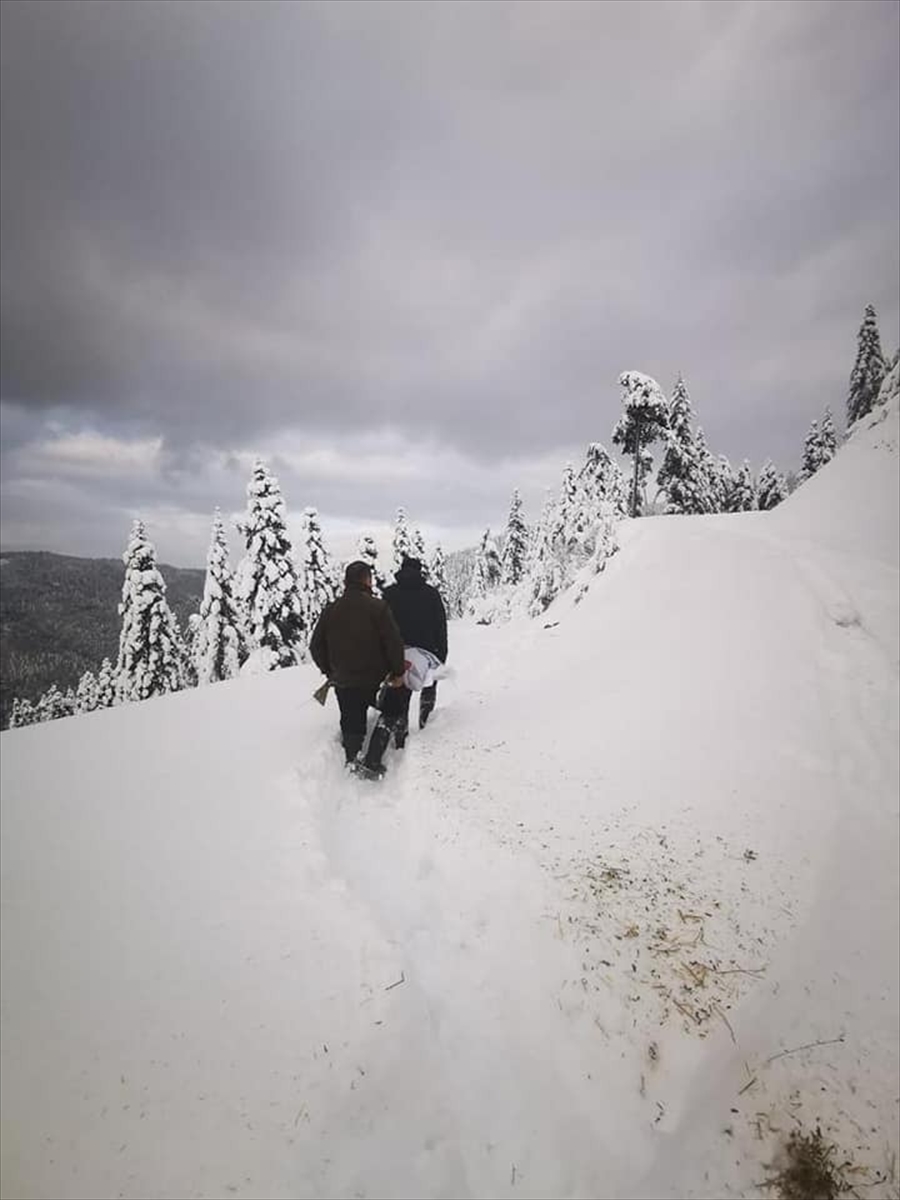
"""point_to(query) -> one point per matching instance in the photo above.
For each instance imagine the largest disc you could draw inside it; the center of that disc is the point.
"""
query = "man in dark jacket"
(356, 643)
(422, 620)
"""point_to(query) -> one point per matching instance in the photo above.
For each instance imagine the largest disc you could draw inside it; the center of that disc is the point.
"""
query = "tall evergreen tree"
(402, 540)
(367, 552)
(868, 370)
(812, 453)
(515, 545)
(318, 578)
(599, 482)
(266, 583)
(106, 685)
(218, 645)
(644, 421)
(568, 509)
(151, 654)
(22, 713)
(51, 704)
(437, 574)
(678, 459)
(771, 488)
(725, 482)
(742, 497)
(827, 437)
(86, 693)
(418, 548)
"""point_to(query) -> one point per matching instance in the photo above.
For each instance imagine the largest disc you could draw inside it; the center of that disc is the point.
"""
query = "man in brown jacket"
(356, 644)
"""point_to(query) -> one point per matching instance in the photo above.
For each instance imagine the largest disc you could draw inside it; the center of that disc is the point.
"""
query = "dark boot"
(426, 704)
(401, 729)
(372, 766)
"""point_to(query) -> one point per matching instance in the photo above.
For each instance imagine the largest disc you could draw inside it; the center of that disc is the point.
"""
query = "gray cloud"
(224, 224)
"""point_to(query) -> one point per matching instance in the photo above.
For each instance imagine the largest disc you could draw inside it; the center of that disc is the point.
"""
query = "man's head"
(358, 575)
(411, 566)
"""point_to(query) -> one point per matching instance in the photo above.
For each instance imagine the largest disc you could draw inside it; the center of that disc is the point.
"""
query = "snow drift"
(622, 916)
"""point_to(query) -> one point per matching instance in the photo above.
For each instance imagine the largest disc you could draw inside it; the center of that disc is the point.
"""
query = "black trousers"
(354, 704)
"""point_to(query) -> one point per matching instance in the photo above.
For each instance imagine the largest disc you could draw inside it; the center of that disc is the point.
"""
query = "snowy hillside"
(623, 916)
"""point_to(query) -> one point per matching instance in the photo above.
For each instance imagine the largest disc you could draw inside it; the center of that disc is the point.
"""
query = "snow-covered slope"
(646, 851)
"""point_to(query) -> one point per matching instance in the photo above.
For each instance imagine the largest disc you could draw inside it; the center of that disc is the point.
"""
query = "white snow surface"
(573, 944)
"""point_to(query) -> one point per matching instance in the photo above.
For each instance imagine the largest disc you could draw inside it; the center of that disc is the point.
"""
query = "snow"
(647, 843)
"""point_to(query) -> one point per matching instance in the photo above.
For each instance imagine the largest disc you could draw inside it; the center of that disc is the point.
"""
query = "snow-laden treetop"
(640, 391)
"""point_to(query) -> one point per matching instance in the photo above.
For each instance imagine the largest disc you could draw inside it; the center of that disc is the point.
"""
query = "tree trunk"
(637, 455)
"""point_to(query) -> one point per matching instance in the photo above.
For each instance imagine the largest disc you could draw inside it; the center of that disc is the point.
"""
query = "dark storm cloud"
(225, 221)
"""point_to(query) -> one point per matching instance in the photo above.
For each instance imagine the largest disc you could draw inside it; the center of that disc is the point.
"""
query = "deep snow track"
(633, 858)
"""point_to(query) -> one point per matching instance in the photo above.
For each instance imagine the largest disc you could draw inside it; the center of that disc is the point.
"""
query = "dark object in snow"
(809, 1171)
(427, 698)
(321, 693)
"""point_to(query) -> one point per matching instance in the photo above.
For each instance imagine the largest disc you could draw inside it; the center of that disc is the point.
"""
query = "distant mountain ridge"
(59, 617)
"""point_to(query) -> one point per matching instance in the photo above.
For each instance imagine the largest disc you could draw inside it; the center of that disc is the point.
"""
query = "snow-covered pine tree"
(401, 545)
(827, 438)
(437, 574)
(742, 497)
(644, 421)
(367, 552)
(678, 459)
(22, 713)
(702, 483)
(318, 578)
(86, 693)
(890, 387)
(515, 544)
(568, 510)
(600, 481)
(724, 484)
(266, 583)
(218, 645)
(418, 548)
(151, 653)
(771, 488)
(547, 560)
(51, 705)
(69, 703)
(868, 370)
(488, 562)
(812, 453)
(106, 685)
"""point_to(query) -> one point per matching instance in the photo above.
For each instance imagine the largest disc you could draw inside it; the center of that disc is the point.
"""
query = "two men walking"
(360, 643)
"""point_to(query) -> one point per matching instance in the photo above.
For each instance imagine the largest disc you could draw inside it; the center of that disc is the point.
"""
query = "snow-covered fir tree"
(705, 491)
(266, 582)
(106, 685)
(86, 693)
(679, 460)
(22, 713)
(812, 458)
(771, 487)
(367, 552)
(724, 484)
(515, 544)
(568, 508)
(549, 556)
(401, 545)
(51, 704)
(318, 577)
(437, 574)
(868, 370)
(218, 645)
(742, 497)
(418, 548)
(827, 438)
(643, 422)
(600, 481)
(151, 653)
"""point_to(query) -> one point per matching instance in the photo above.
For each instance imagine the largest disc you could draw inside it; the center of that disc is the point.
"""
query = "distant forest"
(59, 618)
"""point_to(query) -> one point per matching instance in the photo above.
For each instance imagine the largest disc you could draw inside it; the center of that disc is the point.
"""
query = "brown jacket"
(356, 642)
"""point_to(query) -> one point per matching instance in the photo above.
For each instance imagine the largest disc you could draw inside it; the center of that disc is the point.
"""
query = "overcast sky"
(403, 251)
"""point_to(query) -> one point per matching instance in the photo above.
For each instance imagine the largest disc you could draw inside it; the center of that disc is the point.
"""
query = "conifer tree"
(437, 574)
(266, 584)
(725, 482)
(151, 654)
(644, 421)
(515, 546)
(106, 685)
(51, 705)
(812, 453)
(86, 694)
(568, 509)
(402, 540)
(218, 645)
(868, 370)
(827, 438)
(22, 713)
(318, 578)
(418, 548)
(771, 488)
(742, 497)
(678, 459)
(367, 552)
